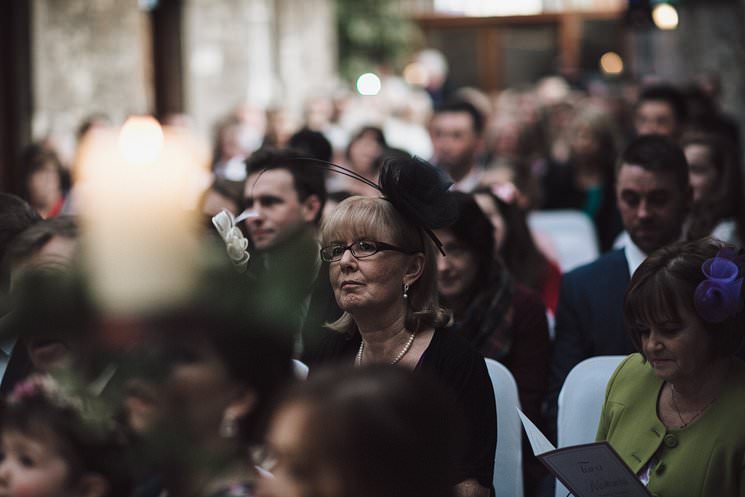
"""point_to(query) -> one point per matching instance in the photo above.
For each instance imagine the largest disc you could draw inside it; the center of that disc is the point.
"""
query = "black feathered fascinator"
(417, 189)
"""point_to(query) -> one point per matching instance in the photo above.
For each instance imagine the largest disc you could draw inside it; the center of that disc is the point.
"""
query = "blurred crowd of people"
(203, 398)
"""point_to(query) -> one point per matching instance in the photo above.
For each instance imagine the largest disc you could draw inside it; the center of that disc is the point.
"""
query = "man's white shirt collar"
(634, 256)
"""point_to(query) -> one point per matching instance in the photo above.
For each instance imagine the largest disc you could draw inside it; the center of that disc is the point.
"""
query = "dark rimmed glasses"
(360, 249)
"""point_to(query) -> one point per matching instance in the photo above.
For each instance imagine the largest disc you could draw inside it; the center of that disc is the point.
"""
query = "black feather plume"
(418, 190)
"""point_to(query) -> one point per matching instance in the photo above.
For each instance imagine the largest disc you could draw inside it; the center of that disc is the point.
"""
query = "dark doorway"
(168, 66)
(15, 88)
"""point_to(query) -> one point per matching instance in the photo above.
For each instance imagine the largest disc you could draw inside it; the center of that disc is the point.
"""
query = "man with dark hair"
(285, 196)
(286, 193)
(653, 193)
(661, 109)
(653, 197)
(457, 130)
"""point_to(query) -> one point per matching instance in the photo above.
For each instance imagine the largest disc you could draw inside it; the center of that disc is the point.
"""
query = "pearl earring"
(406, 290)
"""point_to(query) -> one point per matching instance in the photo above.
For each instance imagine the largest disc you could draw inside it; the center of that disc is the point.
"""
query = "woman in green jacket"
(674, 411)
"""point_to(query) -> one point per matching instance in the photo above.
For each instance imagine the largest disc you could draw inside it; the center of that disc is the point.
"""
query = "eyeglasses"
(360, 249)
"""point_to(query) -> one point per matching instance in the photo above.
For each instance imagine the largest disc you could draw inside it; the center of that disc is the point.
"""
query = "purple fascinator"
(718, 297)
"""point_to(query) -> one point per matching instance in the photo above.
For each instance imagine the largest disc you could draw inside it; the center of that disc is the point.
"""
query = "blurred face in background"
(702, 172)
(655, 117)
(231, 142)
(363, 152)
(455, 142)
(507, 139)
(186, 390)
(584, 142)
(198, 388)
(297, 470)
(456, 272)
(44, 187)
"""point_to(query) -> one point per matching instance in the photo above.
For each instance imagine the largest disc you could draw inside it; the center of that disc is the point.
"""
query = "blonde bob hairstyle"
(368, 218)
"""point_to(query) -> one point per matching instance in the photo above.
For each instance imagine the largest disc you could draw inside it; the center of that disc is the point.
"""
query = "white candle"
(139, 237)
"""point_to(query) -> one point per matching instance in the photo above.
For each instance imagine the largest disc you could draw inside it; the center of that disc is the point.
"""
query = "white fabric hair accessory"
(236, 244)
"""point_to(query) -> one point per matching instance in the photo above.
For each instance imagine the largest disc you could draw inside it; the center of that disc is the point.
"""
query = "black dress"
(454, 363)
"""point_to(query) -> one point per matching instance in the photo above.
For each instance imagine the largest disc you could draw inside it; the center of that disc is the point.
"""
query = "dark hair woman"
(502, 319)
(673, 411)
(515, 245)
(42, 180)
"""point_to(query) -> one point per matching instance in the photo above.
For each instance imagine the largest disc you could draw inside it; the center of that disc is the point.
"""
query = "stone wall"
(91, 56)
(229, 56)
(88, 56)
(260, 52)
(307, 54)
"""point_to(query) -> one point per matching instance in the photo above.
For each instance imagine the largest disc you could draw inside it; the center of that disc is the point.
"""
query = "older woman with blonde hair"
(383, 270)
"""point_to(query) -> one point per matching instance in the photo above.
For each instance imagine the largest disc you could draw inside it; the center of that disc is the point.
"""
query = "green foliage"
(372, 33)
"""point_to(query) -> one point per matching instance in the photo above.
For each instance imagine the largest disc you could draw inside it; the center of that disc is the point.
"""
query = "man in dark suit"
(286, 195)
(653, 197)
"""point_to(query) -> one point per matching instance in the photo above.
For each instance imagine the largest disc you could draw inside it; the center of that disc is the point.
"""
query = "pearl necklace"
(695, 416)
(409, 342)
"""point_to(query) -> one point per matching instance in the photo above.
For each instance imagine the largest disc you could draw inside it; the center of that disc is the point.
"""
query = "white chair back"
(581, 401)
(301, 370)
(508, 472)
(572, 234)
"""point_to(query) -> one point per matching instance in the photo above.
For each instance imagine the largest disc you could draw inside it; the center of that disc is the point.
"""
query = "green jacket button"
(670, 441)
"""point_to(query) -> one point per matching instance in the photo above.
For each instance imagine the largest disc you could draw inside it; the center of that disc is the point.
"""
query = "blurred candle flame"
(141, 140)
